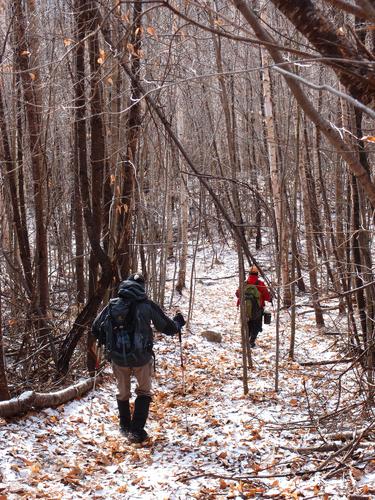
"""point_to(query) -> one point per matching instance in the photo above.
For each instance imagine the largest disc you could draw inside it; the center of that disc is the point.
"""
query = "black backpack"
(125, 345)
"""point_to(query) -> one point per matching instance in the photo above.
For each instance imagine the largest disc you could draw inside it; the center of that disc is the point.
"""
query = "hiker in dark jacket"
(255, 325)
(137, 313)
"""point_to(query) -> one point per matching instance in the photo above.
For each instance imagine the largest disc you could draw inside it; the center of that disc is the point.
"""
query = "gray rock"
(212, 336)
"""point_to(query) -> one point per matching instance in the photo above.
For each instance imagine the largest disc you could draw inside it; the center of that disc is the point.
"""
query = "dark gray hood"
(132, 290)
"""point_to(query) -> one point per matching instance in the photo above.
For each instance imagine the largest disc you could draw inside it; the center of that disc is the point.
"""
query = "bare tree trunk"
(19, 220)
(78, 236)
(26, 61)
(80, 149)
(217, 159)
(309, 247)
(275, 175)
(4, 391)
(293, 239)
(97, 155)
(116, 175)
(31, 87)
(356, 252)
(246, 352)
(82, 324)
(230, 136)
(320, 244)
(97, 144)
(337, 277)
(363, 263)
(254, 178)
(169, 190)
(184, 201)
(132, 138)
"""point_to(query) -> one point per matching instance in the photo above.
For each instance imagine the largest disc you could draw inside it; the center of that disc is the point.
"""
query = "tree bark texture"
(357, 72)
(80, 147)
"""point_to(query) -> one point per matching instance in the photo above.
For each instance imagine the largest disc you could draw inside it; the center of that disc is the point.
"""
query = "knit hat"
(138, 277)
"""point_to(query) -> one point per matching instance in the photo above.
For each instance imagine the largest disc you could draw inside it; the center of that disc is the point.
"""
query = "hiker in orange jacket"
(255, 325)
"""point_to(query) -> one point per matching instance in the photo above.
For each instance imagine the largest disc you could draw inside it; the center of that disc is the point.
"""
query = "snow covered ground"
(208, 440)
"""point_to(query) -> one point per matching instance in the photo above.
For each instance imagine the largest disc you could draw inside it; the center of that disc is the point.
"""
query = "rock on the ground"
(212, 336)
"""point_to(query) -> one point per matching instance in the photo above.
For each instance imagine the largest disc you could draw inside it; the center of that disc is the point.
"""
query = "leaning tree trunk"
(326, 128)
(356, 71)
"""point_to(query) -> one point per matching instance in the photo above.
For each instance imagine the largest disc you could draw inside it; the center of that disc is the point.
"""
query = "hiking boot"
(141, 408)
(125, 417)
(125, 429)
(137, 436)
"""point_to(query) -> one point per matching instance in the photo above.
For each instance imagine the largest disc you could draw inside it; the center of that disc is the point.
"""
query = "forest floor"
(208, 439)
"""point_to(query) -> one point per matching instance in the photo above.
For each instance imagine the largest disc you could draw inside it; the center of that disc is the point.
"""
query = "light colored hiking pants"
(143, 375)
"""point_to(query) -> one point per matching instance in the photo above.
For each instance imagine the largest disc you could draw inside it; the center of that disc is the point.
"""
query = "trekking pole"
(97, 351)
(236, 316)
(183, 374)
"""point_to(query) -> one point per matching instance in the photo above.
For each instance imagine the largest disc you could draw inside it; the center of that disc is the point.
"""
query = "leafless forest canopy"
(133, 131)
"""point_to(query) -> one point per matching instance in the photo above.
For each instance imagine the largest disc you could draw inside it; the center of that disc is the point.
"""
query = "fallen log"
(313, 449)
(327, 362)
(36, 400)
(349, 435)
(323, 448)
(16, 406)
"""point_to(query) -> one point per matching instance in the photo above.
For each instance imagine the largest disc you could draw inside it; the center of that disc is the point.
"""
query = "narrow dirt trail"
(200, 438)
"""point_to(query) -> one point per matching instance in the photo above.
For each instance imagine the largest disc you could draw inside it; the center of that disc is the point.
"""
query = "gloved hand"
(179, 320)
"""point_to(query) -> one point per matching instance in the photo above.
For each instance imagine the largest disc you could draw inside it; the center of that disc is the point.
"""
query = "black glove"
(179, 320)
(100, 335)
